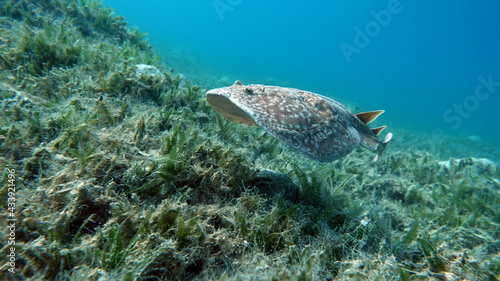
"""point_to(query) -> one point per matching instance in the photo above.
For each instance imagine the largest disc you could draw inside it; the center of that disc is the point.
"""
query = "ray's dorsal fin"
(367, 117)
(377, 130)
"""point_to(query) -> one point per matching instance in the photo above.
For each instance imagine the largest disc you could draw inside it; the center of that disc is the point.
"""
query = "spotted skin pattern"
(307, 123)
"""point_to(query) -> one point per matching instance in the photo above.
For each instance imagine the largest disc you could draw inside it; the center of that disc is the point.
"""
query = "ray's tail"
(382, 146)
(373, 142)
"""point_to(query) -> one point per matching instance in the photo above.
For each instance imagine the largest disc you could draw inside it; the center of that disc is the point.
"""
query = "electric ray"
(307, 123)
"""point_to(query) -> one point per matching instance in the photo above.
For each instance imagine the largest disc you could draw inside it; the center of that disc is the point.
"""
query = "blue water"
(421, 61)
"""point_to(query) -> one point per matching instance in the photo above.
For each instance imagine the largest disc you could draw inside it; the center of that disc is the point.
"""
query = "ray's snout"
(224, 106)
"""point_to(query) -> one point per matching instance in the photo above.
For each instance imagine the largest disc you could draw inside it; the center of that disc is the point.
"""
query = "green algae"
(126, 174)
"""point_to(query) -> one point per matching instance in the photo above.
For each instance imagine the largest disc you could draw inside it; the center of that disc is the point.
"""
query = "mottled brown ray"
(307, 123)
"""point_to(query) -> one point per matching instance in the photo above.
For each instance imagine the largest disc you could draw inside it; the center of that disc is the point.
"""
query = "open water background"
(427, 63)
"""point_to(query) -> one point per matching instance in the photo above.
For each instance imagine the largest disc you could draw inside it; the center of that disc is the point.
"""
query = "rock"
(272, 183)
(480, 164)
(475, 138)
(148, 72)
(224, 80)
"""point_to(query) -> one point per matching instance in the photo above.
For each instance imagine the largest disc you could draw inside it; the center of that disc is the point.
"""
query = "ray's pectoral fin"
(369, 141)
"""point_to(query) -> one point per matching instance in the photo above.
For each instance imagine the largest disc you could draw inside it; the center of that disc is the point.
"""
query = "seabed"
(121, 171)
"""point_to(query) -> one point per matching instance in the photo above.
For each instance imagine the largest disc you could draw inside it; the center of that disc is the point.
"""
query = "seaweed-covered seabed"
(123, 172)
